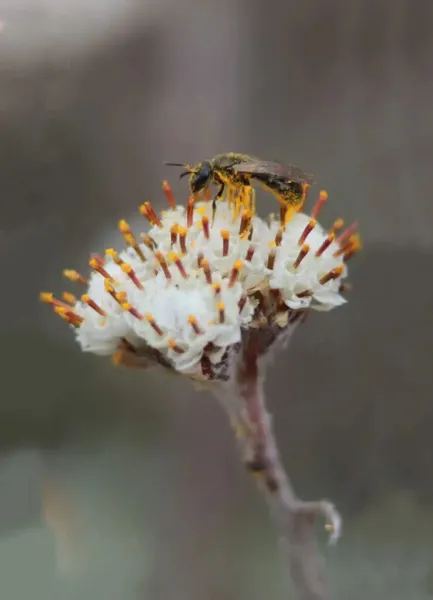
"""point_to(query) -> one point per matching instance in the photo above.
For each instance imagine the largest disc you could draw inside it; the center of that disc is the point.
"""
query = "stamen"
(87, 300)
(271, 259)
(245, 223)
(177, 261)
(347, 234)
(193, 322)
(151, 320)
(250, 254)
(148, 241)
(97, 266)
(216, 288)
(206, 268)
(130, 240)
(308, 229)
(114, 256)
(325, 245)
(160, 258)
(323, 196)
(242, 302)
(182, 240)
(226, 237)
(305, 294)
(68, 315)
(235, 273)
(48, 298)
(221, 312)
(302, 254)
(74, 276)
(334, 274)
(132, 275)
(173, 234)
(109, 288)
(147, 211)
(338, 224)
(69, 298)
(200, 257)
(279, 237)
(172, 344)
(283, 211)
(169, 194)
(353, 244)
(190, 212)
(127, 307)
(205, 223)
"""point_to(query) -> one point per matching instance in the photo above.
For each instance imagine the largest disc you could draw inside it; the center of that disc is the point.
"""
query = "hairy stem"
(294, 518)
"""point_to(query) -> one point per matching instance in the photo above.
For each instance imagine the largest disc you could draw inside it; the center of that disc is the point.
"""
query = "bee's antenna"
(187, 167)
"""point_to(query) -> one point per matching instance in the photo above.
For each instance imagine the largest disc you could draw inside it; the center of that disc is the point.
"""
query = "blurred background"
(136, 474)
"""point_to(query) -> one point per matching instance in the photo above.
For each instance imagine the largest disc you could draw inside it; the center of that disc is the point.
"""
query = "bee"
(234, 171)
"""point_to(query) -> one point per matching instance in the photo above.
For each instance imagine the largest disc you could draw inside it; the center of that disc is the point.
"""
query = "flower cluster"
(183, 293)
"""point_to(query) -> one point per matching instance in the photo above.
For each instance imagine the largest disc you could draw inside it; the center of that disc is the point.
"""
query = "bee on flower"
(184, 293)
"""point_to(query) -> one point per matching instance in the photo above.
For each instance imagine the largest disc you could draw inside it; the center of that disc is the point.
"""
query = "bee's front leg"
(218, 196)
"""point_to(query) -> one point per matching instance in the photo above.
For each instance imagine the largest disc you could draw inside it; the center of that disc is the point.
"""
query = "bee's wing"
(263, 168)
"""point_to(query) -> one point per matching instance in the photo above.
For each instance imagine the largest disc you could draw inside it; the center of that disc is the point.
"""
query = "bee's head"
(201, 175)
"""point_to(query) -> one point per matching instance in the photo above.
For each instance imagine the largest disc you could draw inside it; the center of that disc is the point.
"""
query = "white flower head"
(184, 293)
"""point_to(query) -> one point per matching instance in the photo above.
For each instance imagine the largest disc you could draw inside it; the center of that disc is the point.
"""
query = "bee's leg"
(218, 196)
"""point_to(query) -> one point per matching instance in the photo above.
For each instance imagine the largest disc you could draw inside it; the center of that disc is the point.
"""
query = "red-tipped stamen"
(190, 212)
(323, 197)
(200, 257)
(245, 223)
(179, 264)
(109, 288)
(69, 298)
(148, 241)
(163, 264)
(68, 315)
(151, 320)
(216, 288)
(48, 298)
(127, 307)
(279, 237)
(206, 269)
(242, 302)
(147, 211)
(74, 276)
(333, 274)
(221, 312)
(205, 223)
(114, 256)
(325, 245)
(271, 259)
(196, 327)
(302, 254)
(166, 188)
(182, 240)
(305, 294)
(337, 226)
(131, 241)
(87, 300)
(347, 234)
(173, 346)
(308, 229)
(132, 275)
(226, 241)
(250, 254)
(174, 230)
(97, 266)
(234, 274)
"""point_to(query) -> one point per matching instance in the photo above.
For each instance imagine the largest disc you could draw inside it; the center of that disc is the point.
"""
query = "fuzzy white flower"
(187, 291)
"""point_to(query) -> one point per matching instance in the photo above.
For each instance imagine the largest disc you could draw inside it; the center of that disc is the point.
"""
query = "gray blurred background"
(94, 96)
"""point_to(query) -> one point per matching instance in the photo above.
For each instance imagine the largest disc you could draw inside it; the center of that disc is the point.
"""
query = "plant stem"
(294, 518)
